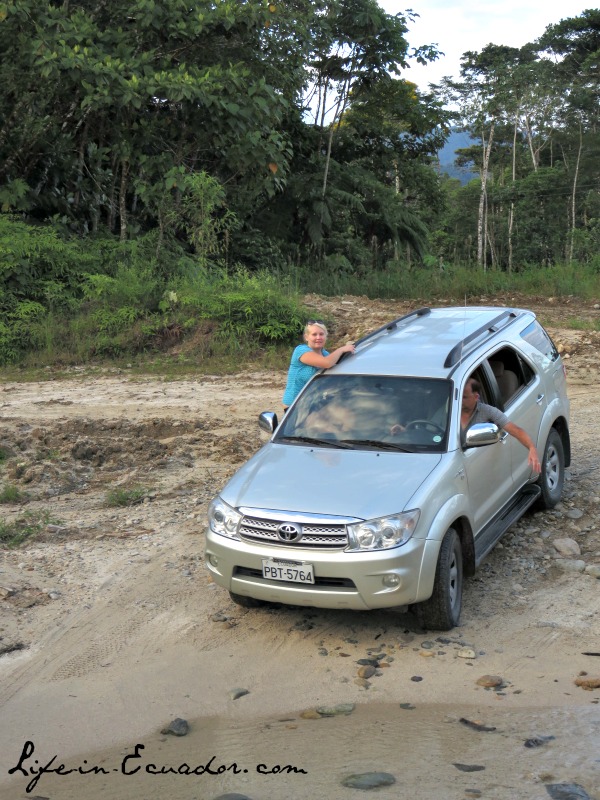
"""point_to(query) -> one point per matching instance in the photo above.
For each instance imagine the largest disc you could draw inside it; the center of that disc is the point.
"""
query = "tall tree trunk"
(487, 149)
(573, 196)
(535, 156)
(511, 212)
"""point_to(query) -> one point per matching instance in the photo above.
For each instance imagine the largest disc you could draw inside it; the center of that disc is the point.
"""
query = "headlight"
(384, 532)
(223, 519)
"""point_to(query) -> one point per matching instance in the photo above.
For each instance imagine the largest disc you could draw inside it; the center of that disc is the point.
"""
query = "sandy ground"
(111, 628)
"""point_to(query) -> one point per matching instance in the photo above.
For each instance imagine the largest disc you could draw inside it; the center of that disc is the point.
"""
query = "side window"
(537, 337)
(511, 373)
(486, 390)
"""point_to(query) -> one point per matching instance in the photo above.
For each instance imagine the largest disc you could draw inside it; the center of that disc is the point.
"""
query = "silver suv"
(369, 494)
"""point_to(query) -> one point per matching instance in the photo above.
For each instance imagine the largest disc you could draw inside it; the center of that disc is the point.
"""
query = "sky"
(460, 25)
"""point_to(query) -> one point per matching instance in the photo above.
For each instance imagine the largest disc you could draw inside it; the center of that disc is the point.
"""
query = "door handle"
(539, 399)
(503, 436)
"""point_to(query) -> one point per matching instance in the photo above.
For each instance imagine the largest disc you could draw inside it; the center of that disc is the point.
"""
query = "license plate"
(287, 571)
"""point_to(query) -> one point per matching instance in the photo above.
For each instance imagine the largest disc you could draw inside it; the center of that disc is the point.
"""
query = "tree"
(534, 109)
(98, 97)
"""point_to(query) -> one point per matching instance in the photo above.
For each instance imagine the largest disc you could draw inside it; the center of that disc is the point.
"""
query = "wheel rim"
(453, 580)
(552, 469)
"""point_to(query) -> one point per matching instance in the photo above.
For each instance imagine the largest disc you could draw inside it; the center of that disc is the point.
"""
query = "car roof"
(431, 342)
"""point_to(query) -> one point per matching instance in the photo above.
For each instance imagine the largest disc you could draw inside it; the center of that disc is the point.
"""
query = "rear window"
(370, 411)
(537, 337)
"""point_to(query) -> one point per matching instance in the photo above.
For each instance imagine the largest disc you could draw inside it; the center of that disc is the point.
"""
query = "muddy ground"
(110, 626)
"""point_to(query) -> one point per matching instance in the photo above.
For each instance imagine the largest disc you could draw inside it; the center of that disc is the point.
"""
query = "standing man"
(473, 411)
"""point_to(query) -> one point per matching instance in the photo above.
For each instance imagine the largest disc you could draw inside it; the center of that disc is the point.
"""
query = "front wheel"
(442, 610)
(552, 477)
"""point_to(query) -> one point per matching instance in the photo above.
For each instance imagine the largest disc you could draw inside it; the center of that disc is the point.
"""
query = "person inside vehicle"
(334, 418)
(309, 358)
(473, 411)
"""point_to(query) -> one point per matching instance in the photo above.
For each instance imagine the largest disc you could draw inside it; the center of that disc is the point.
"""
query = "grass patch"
(582, 325)
(454, 282)
(25, 527)
(12, 494)
(120, 498)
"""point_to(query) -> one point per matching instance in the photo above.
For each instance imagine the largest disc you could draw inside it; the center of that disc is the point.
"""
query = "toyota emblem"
(289, 532)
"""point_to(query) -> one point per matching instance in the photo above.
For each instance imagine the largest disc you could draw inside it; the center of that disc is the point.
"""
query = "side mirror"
(481, 434)
(267, 421)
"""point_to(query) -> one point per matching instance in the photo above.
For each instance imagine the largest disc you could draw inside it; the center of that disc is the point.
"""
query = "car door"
(525, 408)
(488, 471)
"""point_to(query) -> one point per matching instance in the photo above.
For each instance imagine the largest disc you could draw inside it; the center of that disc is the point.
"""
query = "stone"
(232, 796)
(466, 652)
(234, 694)
(177, 727)
(310, 713)
(567, 547)
(369, 780)
(570, 564)
(588, 683)
(333, 711)
(489, 681)
(538, 741)
(468, 767)
(366, 671)
(567, 791)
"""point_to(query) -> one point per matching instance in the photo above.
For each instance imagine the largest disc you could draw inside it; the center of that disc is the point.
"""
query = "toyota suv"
(369, 495)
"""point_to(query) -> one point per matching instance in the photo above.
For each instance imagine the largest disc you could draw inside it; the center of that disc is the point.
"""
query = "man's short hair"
(475, 385)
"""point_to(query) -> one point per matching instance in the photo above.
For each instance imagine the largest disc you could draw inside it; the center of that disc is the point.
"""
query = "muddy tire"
(442, 611)
(552, 476)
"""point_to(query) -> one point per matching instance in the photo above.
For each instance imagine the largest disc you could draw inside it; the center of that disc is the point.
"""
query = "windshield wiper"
(380, 445)
(314, 440)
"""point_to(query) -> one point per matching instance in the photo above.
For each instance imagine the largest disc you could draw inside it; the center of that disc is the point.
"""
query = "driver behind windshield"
(371, 409)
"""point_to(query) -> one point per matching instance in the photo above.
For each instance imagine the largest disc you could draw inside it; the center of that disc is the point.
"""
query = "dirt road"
(111, 628)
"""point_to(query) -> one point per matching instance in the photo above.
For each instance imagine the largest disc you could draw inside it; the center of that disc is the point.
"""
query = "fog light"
(214, 561)
(391, 581)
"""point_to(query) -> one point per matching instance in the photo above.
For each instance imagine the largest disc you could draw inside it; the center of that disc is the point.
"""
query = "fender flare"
(454, 513)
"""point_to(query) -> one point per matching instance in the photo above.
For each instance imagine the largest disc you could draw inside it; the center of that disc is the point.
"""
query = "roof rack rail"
(420, 312)
(457, 352)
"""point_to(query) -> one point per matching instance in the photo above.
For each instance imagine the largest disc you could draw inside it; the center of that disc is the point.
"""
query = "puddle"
(431, 753)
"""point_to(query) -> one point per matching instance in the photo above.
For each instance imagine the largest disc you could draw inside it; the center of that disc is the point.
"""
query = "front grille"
(314, 535)
(323, 582)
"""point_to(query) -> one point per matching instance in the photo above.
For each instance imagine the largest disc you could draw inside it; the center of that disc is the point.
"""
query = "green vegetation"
(127, 301)
(25, 527)
(11, 494)
(456, 282)
(171, 183)
(120, 497)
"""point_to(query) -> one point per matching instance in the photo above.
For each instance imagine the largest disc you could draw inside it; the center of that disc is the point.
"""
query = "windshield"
(370, 411)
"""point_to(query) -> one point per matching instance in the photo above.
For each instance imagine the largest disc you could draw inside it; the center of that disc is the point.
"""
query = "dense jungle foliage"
(166, 166)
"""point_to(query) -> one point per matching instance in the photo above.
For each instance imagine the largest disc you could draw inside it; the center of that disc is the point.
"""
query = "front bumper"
(342, 580)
